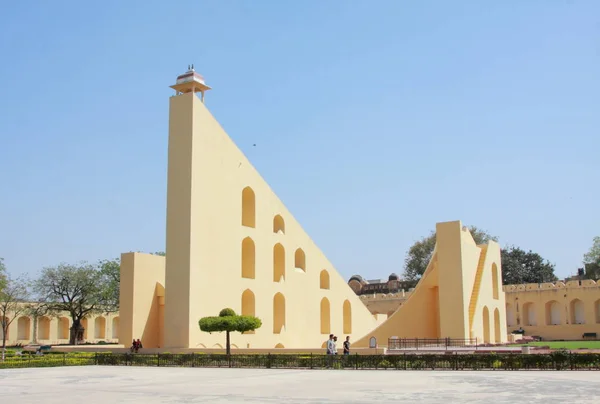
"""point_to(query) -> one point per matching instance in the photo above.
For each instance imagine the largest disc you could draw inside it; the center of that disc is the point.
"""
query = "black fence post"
(356, 361)
(311, 360)
(158, 360)
(64, 358)
(95, 358)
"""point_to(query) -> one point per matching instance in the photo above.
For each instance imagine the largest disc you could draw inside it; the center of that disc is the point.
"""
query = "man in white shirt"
(331, 345)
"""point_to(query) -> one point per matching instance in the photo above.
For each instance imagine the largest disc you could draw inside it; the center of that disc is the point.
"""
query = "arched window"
(597, 310)
(497, 329)
(100, 328)
(248, 258)
(115, 327)
(510, 315)
(300, 260)
(486, 325)
(62, 328)
(24, 329)
(248, 208)
(553, 313)
(325, 316)
(347, 314)
(577, 312)
(278, 263)
(43, 328)
(278, 313)
(529, 317)
(84, 324)
(248, 305)
(278, 225)
(495, 283)
(280, 345)
(324, 279)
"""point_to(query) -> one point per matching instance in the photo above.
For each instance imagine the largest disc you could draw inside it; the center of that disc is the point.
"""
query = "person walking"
(330, 345)
(347, 346)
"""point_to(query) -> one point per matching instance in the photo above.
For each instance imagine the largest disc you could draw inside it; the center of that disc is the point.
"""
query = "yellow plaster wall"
(141, 295)
(207, 175)
(586, 316)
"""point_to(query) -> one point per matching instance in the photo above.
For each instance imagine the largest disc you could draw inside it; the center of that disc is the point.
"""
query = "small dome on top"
(190, 75)
(357, 278)
(393, 277)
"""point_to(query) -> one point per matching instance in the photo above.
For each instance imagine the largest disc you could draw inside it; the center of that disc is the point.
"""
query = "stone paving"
(108, 385)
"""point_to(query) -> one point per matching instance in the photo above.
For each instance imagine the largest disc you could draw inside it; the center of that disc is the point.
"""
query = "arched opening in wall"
(248, 258)
(529, 317)
(217, 346)
(325, 316)
(248, 207)
(597, 311)
(552, 313)
(497, 329)
(43, 328)
(278, 263)
(4, 320)
(486, 325)
(300, 260)
(115, 328)
(278, 313)
(24, 329)
(577, 312)
(62, 328)
(278, 225)
(280, 345)
(324, 279)
(100, 328)
(495, 283)
(347, 314)
(510, 315)
(324, 344)
(248, 305)
(84, 324)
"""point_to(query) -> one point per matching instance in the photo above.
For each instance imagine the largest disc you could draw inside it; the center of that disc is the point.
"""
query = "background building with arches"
(54, 329)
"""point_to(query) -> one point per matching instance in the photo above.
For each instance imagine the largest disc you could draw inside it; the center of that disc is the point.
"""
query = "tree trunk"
(35, 324)
(228, 346)
(76, 332)
(4, 332)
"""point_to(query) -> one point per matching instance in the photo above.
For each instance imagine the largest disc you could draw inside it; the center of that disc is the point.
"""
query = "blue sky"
(372, 120)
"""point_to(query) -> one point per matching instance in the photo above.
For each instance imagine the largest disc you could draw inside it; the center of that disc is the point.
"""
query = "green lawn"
(566, 344)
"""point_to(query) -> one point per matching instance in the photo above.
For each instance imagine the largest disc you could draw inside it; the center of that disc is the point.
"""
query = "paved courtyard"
(96, 384)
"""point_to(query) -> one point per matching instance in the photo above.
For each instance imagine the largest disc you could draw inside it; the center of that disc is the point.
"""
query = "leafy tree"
(76, 289)
(519, 266)
(3, 275)
(13, 298)
(110, 272)
(228, 321)
(591, 260)
(420, 253)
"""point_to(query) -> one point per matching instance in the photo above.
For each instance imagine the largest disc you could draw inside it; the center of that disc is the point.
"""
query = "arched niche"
(248, 208)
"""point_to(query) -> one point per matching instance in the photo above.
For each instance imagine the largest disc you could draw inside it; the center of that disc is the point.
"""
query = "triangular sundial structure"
(230, 243)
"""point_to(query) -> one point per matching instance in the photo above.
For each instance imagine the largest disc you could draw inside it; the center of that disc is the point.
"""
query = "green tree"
(419, 254)
(519, 266)
(76, 289)
(3, 275)
(229, 322)
(13, 301)
(591, 260)
(110, 272)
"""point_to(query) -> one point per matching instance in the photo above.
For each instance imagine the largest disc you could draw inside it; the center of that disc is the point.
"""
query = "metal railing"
(425, 343)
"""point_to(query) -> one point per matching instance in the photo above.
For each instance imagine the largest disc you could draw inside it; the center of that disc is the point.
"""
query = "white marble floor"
(108, 385)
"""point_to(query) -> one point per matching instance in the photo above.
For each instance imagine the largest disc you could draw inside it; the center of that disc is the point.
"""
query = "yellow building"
(230, 242)
(553, 311)
(54, 330)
